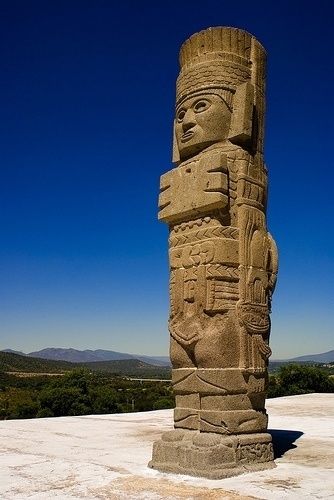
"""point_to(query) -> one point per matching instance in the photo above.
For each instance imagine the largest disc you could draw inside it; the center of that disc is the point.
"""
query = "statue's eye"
(180, 115)
(201, 105)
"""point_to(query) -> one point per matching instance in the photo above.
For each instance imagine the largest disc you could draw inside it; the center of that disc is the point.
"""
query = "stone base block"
(212, 455)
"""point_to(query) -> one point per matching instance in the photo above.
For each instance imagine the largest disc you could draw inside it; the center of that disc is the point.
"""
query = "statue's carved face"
(200, 122)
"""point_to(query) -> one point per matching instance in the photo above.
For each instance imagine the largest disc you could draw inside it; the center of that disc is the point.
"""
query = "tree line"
(79, 392)
(294, 379)
(83, 392)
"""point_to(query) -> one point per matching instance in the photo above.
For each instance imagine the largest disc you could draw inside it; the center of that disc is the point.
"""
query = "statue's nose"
(188, 120)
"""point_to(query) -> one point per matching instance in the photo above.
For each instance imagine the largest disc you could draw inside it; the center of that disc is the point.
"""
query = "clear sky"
(87, 98)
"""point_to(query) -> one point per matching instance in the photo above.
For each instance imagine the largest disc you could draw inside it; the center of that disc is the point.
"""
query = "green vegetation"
(31, 387)
(274, 366)
(10, 362)
(301, 379)
(79, 392)
(128, 367)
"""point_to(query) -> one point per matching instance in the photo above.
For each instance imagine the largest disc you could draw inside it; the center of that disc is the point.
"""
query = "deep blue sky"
(87, 97)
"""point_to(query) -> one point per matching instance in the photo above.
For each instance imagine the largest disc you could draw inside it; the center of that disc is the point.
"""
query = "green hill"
(10, 362)
(129, 367)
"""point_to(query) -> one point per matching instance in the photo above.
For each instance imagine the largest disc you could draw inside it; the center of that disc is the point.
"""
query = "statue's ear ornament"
(242, 117)
(176, 155)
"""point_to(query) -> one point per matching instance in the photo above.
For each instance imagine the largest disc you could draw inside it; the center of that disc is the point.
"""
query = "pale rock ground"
(106, 456)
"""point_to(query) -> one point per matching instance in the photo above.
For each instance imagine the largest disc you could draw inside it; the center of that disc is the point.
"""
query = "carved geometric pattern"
(232, 45)
(257, 452)
(190, 274)
(263, 348)
(219, 271)
(191, 224)
(210, 232)
(209, 182)
(222, 74)
(221, 295)
(250, 190)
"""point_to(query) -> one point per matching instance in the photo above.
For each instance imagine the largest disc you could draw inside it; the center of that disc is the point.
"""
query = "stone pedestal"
(210, 455)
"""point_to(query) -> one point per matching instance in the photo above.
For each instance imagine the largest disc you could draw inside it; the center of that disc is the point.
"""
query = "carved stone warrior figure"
(223, 261)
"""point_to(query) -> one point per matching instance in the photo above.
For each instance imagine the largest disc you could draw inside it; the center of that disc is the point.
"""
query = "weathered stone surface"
(105, 456)
(211, 455)
(223, 261)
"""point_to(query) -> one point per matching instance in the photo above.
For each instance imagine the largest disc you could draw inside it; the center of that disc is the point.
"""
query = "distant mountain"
(154, 360)
(130, 367)
(91, 356)
(164, 359)
(14, 352)
(324, 357)
(76, 356)
(88, 355)
(10, 362)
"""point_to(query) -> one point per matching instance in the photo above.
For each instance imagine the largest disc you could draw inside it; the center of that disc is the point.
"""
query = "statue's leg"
(181, 356)
(186, 413)
(220, 343)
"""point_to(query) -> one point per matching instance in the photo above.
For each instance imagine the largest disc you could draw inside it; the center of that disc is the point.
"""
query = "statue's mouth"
(187, 135)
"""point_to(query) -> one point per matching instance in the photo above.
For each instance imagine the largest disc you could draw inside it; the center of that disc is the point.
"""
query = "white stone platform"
(106, 456)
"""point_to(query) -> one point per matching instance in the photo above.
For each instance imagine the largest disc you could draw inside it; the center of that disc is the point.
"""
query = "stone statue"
(223, 261)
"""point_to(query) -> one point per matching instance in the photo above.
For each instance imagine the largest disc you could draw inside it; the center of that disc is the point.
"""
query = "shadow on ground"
(283, 440)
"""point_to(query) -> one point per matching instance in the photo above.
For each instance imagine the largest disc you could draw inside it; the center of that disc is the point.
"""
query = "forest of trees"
(83, 392)
(79, 392)
(293, 379)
